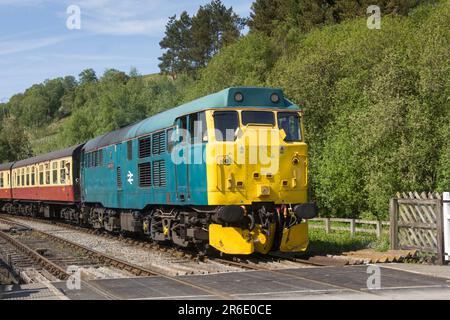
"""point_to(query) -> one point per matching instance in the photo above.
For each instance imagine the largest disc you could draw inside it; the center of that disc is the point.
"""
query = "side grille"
(159, 173)
(144, 175)
(119, 178)
(159, 142)
(144, 147)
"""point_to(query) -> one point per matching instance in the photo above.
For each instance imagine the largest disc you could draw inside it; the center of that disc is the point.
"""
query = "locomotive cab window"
(226, 123)
(197, 127)
(171, 139)
(258, 118)
(182, 127)
(290, 123)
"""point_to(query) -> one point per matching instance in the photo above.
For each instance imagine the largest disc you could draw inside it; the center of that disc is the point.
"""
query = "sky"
(36, 44)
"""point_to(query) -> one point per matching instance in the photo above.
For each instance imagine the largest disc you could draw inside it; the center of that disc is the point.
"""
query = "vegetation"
(376, 101)
(191, 42)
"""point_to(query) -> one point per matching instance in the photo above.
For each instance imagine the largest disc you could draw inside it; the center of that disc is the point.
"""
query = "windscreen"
(290, 123)
(258, 117)
(226, 124)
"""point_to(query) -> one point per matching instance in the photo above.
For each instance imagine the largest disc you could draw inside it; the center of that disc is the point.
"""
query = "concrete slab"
(27, 292)
(423, 269)
(306, 283)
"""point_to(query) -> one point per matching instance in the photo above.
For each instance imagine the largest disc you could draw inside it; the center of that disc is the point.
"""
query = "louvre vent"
(159, 173)
(144, 147)
(159, 142)
(145, 175)
(119, 178)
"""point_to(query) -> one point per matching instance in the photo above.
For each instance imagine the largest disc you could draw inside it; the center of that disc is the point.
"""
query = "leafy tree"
(178, 43)
(113, 75)
(191, 42)
(14, 143)
(87, 76)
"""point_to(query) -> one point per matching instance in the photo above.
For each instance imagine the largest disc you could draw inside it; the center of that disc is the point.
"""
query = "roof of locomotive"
(253, 98)
(47, 157)
(6, 166)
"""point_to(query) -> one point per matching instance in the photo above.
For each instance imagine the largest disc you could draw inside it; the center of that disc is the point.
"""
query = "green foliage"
(191, 42)
(376, 102)
(376, 108)
(118, 100)
(87, 76)
(14, 143)
(273, 16)
(244, 63)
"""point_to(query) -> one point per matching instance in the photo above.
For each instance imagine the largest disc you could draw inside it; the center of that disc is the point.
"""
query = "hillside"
(377, 103)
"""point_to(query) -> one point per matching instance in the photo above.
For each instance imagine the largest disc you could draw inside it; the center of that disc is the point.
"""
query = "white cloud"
(127, 27)
(16, 46)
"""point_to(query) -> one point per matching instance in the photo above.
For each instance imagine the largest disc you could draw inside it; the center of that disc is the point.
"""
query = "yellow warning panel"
(295, 239)
(230, 240)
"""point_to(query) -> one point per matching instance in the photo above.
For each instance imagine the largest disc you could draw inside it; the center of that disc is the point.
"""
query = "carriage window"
(68, 171)
(28, 176)
(47, 174)
(33, 177)
(55, 172)
(22, 181)
(1, 180)
(290, 123)
(226, 124)
(258, 117)
(62, 172)
(41, 175)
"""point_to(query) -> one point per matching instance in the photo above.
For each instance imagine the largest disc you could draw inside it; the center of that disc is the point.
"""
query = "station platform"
(349, 282)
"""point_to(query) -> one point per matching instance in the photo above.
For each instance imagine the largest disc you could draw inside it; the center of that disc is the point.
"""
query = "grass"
(337, 242)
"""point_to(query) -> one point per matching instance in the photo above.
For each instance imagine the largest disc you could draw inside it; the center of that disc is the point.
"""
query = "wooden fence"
(366, 226)
(417, 223)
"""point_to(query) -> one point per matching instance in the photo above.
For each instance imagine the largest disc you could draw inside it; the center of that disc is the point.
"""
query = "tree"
(113, 75)
(177, 42)
(191, 42)
(87, 76)
(14, 143)
(213, 27)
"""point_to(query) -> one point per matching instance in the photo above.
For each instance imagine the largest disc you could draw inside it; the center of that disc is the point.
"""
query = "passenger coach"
(47, 183)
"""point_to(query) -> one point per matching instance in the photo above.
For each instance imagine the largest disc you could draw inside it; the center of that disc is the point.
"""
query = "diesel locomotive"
(226, 172)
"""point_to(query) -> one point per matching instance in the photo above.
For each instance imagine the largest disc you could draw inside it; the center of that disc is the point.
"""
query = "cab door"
(181, 158)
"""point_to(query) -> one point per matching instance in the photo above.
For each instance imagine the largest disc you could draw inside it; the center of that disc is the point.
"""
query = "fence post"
(379, 229)
(440, 231)
(393, 213)
(446, 221)
(327, 225)
(352, 227)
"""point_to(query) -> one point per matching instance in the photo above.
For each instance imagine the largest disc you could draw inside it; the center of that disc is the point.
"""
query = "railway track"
(262, 263)
(257, 262)
(90, 256)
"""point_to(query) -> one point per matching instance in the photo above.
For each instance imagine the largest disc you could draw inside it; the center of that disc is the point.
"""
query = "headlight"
(275, 98)
(238, 97)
